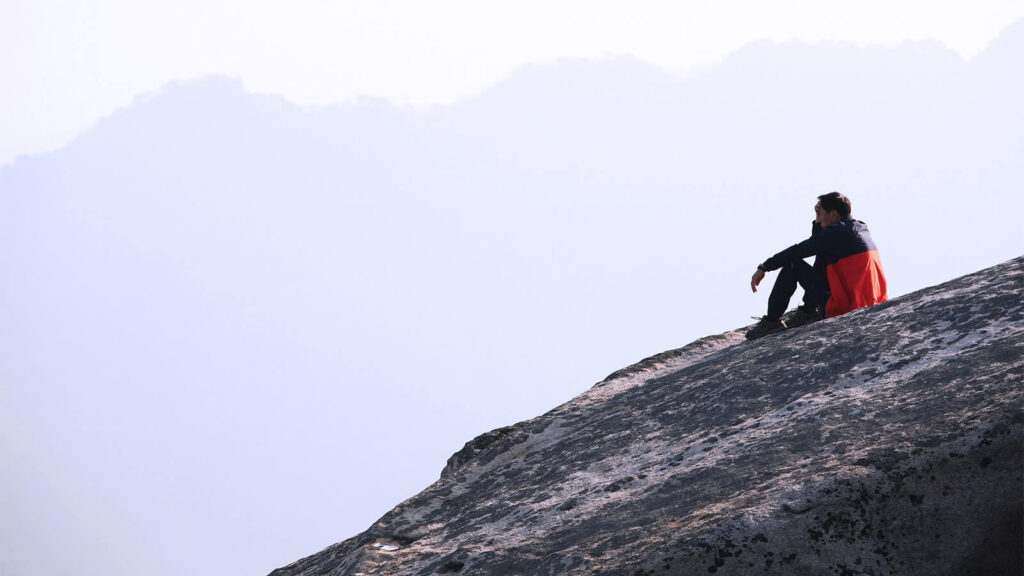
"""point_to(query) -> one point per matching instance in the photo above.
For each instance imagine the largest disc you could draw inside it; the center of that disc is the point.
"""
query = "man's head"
(832, 208)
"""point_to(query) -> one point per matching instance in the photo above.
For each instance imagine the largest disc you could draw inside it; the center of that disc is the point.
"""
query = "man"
(847, 273)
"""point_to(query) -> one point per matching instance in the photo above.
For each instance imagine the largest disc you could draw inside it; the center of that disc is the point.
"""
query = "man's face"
(825, 218)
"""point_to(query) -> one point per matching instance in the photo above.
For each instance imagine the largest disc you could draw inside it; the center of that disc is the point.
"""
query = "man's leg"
(794, 274)
(797, 273)
(815, 287)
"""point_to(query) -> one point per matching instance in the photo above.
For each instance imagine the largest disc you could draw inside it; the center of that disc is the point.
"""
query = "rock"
(889, 441)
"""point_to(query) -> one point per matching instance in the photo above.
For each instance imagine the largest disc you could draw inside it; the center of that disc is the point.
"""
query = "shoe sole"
(749, 337)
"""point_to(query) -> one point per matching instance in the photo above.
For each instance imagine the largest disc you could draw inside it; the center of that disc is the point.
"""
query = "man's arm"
(810, 247)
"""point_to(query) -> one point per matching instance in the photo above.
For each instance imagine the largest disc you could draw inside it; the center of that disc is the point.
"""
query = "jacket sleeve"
(810, 247)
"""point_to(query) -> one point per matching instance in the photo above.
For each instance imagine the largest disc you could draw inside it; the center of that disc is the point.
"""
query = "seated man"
(847, 273)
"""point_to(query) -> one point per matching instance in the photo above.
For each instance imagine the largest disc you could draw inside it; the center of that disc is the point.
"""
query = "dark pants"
(796, 273)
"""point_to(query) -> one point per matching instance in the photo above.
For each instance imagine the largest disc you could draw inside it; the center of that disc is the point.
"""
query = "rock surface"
(889, 441)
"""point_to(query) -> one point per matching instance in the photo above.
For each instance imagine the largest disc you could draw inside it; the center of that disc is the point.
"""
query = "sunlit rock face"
(888, 441)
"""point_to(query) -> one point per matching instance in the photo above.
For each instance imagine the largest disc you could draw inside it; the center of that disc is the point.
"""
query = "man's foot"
(765, 327)
(803, 316)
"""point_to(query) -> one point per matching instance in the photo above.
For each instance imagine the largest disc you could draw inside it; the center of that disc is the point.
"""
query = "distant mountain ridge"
(889, 441)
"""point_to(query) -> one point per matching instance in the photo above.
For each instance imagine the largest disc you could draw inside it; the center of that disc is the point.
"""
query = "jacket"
(852, 265)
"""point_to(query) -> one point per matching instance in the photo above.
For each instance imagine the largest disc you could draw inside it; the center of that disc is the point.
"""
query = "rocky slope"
(889, 441)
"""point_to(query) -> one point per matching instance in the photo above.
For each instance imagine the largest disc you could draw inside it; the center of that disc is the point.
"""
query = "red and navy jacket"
(852, 265)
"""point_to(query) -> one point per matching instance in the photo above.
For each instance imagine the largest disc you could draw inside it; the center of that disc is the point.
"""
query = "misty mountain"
(220, 307)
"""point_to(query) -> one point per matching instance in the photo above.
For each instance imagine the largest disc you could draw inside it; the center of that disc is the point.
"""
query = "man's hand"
(756, 279)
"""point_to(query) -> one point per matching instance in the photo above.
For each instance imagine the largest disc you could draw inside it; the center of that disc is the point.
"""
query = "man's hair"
(836, 201)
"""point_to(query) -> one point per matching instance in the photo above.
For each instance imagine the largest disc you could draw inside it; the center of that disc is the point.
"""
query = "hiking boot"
(803, 316)
(765, 327)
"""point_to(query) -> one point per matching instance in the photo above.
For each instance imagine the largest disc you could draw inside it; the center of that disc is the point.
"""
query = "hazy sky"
(67, 63)
(234, 330)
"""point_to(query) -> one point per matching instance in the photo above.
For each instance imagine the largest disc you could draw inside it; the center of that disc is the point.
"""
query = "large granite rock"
(889, 441)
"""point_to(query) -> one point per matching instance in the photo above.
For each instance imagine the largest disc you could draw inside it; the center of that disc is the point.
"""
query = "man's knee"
(789, 269)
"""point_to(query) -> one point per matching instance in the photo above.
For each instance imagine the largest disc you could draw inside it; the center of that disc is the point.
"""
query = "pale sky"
(217, 357)
(68, 63)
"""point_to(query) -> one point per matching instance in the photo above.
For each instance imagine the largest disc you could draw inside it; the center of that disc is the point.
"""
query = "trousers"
(793, 274)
